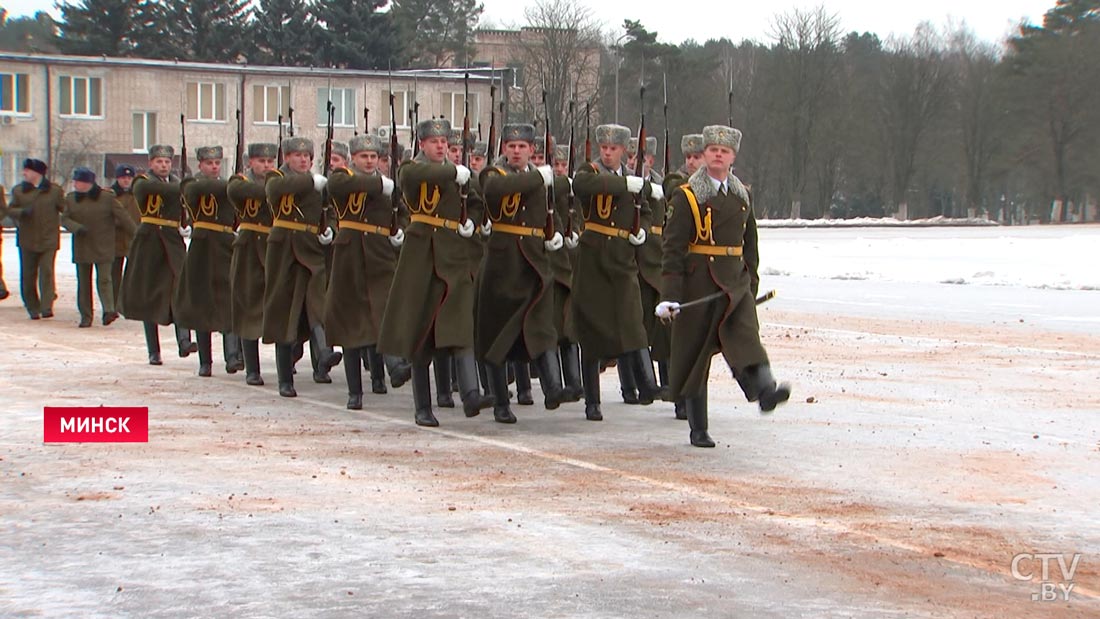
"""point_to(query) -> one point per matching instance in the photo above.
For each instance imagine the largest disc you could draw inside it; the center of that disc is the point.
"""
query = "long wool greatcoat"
(515, 304)
(156, 253)
(246, 268)
(649, 256)
(202, 299)
(729, 324)
(607, 306)
(95, 218)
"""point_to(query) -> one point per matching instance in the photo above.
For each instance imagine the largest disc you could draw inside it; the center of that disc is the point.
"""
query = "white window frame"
(401, 106)
(282, 106)
(457, 108)
(348, 117)
(73, 100)
(145, 126)
(15, 91)
(213, 90)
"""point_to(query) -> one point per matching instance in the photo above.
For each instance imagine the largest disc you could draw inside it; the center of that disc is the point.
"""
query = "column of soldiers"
(483, 272)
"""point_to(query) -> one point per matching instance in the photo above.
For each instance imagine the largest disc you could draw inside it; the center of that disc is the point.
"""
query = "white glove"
(462, 174)
(185, 231)
(397, 239)
(571, 194)
(326, 236)
(319, 182)
(555, 242)
(387, 187)
(657, 193)
(573, 240)
(547, 175)
(667, 310)
(634, 184)
(486, 228)
(637, 240)
(466, 229)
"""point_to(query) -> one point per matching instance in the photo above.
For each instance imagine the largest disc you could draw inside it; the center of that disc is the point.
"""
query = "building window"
(455, 104)
(145, 131)
(269, 102)
(344, 101)
(401, 106)
(14, 93)
(206, 101)
(81, 97)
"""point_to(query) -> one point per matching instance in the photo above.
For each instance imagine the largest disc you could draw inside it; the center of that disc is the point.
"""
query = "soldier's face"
(434, 148)
(261, 165)
(125, 181)
(649, 160)
(538, 158)
(719, 160)
(693, 161)
(455, 153)
(211, 167)
(632, 161)
(384, 165)
(366, 160)
(561, 168)
(518, 153)
(477, 163)
(336, 160)
(161, 166)
(82, 187)
(611, 155)
(32, 177)
(299, 162)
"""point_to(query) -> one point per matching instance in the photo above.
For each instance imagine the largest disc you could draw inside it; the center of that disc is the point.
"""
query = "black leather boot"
(284, 367)
(498, 381)
(377, 370)
(152, 342)
(206, 354)
(353, 359)
(326, 357)
(646, 380)
(183, 341)
(522, 372)
(251, 351)
(549, 369)
(422, 396)
(399, 369)
(571, 372)
(486, 384)
(697, 420)
(590, 369)
(768, 393)
(473, 402)
(231, 347)
(441, 367)
(628, 387)
(664, 393)
(680, 409)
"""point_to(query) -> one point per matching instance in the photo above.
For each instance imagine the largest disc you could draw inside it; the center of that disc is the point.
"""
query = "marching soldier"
(294, 267)
(363, 263)
(202, 296)
(711, 247)
(568, 221)
(431, 304)
(36, 206)
(609, 320)
(339, 157)
(479, 156)
(246, 268)
(123, 190)
(515, 301)
(691, 146)
(156, 254)
(3, 214)
(94, 217)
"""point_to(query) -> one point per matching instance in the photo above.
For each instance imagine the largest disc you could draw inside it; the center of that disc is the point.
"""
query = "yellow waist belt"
(362, 227)
(206, 225)
(519, 230)
(437, 222)
(255, 228)
(715, 250)
(294, 225)
(657, 230)
(157, 221)
(606, 230)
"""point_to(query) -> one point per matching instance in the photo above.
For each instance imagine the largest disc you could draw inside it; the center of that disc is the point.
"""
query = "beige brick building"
(98, 112)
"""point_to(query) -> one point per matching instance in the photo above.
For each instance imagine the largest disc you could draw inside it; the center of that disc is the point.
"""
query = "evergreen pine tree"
(284, 33)
(354, 35)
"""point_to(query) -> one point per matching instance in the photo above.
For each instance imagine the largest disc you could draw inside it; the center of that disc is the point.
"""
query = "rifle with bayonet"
(571, 163)
(239, 152)
(549, 148)
(639, 170)
(279, 154)
(394, 197)
(668, 154)
(464, 191)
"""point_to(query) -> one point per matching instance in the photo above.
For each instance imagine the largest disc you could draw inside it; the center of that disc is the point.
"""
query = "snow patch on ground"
(874, 222)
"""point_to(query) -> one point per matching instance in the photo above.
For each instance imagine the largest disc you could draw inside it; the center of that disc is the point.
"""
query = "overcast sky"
(674, 21)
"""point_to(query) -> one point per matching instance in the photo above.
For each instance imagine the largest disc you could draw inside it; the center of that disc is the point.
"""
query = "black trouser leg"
(183, 340)
(663, 381)
(353, 370)
(251, 349)
(549, 370)
(571, 372)
(441, 366)
(284, 366)
(483, 374)
(697, 420)
(422, 396)
(590, 369)
(231, 350)
(626, 379)
(152, 342)
(206, 354)
(466, 372)
(497, 376)
(377, 370)
(522, 373)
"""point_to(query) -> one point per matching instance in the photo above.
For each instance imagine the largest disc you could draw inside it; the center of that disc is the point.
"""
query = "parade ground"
(940, 449)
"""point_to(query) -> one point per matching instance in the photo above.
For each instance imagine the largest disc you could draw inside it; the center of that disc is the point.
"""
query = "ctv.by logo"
(1025, 565)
